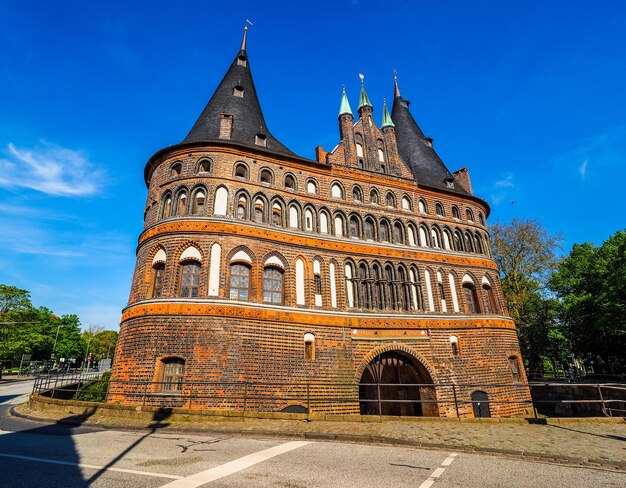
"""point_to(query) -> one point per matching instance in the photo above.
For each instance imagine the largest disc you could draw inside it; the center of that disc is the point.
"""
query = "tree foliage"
(591, 285)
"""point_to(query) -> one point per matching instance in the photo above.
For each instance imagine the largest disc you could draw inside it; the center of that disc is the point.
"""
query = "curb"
(357, 439)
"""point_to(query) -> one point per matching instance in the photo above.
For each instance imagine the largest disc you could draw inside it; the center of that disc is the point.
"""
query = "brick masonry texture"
(235, 341)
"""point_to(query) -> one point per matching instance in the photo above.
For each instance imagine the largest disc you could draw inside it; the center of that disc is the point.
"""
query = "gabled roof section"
(417, 150)
(236, 96)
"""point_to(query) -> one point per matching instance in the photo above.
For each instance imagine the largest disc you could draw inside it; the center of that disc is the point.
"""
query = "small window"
(241, 171)
(491, 304)
(514, 367)
(374, 197)
(422, 207)
(308, 220)
(157, 287)
(242, 207)
(406, 203)
(454, 343)
(357, 194)
(336, 191)
(471, 300)
(455, 212)
(204, 166)
(359, 151)
(390, 200)
(260, 140)
(369, 229)
(266, 176)
(481, 218)
(190, 279)
(384, 231)
(439, 209)
(167, 207)
(238, 91)
(273, 285)
(259, 211)
(199, 199)
(242, 61)
(309, 347)
(381, 156)
(176, 170)
(290, 182)
(172, 379)
(311, 187)
(318, 284)
(277, 214)
(354, 227)
(469, 215)
(226, 126)
(239, 281)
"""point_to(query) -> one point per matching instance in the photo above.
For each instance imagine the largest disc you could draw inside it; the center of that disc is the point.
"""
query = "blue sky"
(528, 95)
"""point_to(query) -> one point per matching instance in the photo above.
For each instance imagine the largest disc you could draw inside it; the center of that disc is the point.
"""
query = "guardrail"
(554, 399)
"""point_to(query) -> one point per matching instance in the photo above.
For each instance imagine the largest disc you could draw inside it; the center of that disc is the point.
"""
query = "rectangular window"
(239, 282)
(309, 351)
(173, 375)
(273, 285)
(226, 126)
(190, 280)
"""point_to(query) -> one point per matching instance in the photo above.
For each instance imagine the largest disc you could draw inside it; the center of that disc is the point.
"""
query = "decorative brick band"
(213, 308)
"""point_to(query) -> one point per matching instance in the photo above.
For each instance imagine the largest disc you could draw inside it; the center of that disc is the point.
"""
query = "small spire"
(344, 108)
(364, 100)
(387, 122)
(243, 41)
(395, 82)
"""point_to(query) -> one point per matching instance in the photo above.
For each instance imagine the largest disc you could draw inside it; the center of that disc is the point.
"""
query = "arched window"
(333, 285)
(359, 150)
(406, 289)
(172, 370)
(429, 291)
(277, 214)
(157, 286)
(241, 171)
(374, 197)
(381, 156)
(204, 166)
(455, 298)
(242, 207)
(423, 236)
(481, 218)
(471, 299)
(416, 290)
(221, 201)
(167, 207)
(214, 270)
(357, 194)
(309, 223)
(309, 347)
(370, 234)
(181, 203)
(323, 222)
(392, 290)
(336, 191)
(410, 232)
(454, 343)
(398, 233)
(300, 289)
(198, 202)
(442, 292)
(469, 215)
(355, 227)
(176, 169)
(339, 225)
(266, 176)
(189, 279)
(349, 275)
(422, 207)
(311, 187)
(379, 287)
(390, 199)
(435, 237)
(273, 285)
(259, 211)
(491, 304)
(469, 243)
(439, 209)
(478, 245)
(455, 212)
(294, 217)
(385, 232)
(447, 239)
(317, 282)
(239, 281)
(458, 241)
(406, 203)
(290, 182)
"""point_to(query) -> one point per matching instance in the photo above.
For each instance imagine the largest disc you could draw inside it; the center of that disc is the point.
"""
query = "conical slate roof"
(417, 151)
(248, 118)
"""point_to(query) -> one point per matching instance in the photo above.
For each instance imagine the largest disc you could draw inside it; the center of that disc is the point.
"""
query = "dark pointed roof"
(417, 150)
(248, 120)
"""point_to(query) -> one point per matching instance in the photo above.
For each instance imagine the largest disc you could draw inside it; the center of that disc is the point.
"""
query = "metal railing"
(454, 399)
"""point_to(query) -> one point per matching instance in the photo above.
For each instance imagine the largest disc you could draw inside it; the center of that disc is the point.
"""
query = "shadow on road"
(26, 458)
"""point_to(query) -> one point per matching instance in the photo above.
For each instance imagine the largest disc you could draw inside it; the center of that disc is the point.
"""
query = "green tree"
(526, 255)
(13, 300)
(591, 284)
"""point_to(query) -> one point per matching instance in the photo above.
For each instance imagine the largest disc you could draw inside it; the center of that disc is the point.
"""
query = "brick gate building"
(368, 266)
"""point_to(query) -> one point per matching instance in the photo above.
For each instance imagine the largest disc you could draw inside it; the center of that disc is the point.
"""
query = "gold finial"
(362, 76)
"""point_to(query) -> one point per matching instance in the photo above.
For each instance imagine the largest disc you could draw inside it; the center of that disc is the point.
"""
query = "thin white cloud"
(50, 169)
(506, 182)
(501, 189)
(583, 168)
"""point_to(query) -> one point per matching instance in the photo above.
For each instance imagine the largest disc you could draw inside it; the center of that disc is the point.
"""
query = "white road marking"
(439, 471)
(232, 467)
(90, 466)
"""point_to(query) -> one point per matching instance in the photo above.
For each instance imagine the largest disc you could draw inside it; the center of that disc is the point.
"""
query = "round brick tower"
(359, 282)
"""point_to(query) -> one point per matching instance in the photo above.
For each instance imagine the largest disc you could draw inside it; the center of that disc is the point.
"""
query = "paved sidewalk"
(572, 441)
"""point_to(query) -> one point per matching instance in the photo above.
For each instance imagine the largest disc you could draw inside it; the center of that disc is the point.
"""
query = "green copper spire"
(364, 100)
(344, 108)
(387, 122)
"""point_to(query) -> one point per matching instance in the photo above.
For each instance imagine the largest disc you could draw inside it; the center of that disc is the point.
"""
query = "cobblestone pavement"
(582, 441)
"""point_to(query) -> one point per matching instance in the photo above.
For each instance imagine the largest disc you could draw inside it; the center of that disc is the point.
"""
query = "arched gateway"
(395, 383)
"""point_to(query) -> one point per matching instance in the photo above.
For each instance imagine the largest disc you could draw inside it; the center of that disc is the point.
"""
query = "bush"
(94, 391)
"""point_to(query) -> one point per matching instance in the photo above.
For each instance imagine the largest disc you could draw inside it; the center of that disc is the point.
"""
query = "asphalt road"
(58, 455)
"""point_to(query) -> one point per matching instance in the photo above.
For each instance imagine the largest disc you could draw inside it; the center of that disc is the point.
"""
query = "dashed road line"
(91, 466)
(439, 471)
(232, 467)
